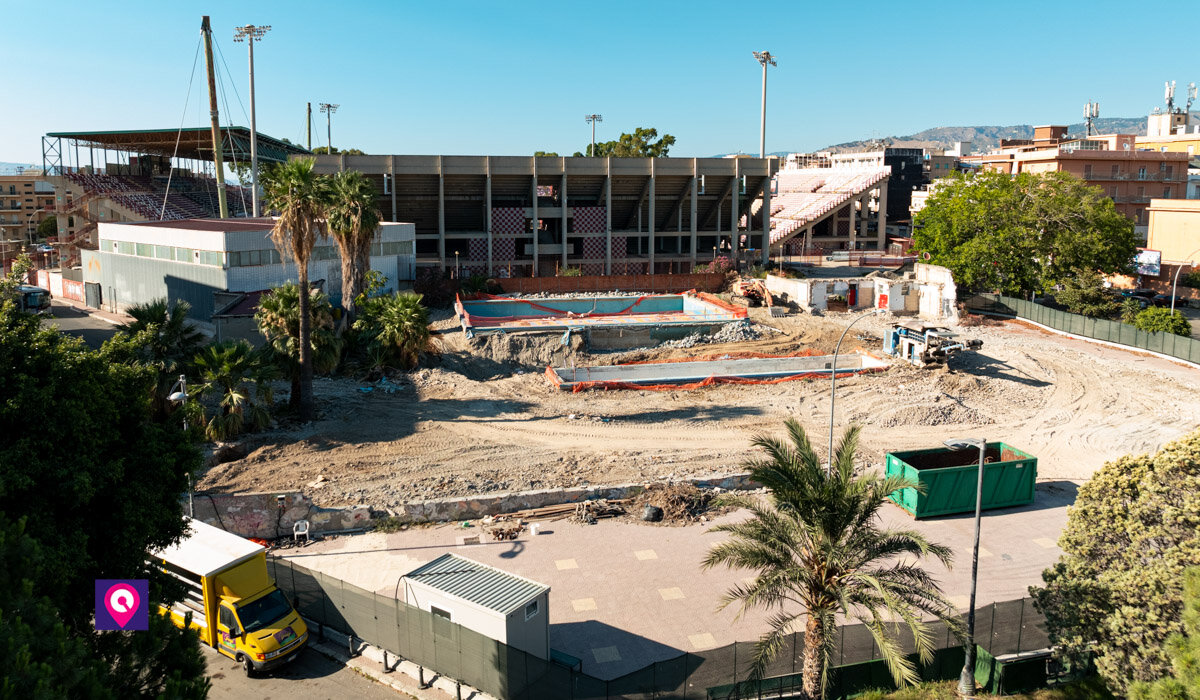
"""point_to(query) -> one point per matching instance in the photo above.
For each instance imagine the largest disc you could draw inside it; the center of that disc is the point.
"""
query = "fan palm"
(400, 326)
(819, 551)
(237, 375)
(353, 219)
(163, 339)
(300, 196)
(278, 319)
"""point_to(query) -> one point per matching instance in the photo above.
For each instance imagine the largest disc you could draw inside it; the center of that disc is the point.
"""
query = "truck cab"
(230, 600)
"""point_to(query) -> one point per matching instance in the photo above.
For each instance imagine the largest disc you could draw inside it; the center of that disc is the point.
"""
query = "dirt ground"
(483, 417)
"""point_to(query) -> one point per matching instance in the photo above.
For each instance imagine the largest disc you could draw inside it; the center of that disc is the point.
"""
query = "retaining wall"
(704, 282)
(260, 515)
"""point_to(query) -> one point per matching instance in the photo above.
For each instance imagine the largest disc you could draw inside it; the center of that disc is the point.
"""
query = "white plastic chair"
(300, 528)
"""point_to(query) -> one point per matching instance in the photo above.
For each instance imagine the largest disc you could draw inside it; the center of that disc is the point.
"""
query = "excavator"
(925, 344)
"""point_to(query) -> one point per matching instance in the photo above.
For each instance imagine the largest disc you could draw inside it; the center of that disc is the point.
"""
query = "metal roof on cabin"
(477, 583)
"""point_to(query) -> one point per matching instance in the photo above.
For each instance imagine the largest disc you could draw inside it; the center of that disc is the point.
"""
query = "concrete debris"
(735, 332)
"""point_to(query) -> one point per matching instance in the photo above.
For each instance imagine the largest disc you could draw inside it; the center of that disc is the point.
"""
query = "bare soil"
(482, 417)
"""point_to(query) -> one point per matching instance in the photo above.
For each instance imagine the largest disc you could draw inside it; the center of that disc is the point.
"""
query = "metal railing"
(502, 671)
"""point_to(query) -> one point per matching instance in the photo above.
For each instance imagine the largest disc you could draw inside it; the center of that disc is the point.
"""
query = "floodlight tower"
(329, 109)
(765, 58)
(250, 33)
(593, 118)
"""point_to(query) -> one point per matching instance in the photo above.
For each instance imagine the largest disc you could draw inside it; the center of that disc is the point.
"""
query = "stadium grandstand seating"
(189, 197)
(807, 194)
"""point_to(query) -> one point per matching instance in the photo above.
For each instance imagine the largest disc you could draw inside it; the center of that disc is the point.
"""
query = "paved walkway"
(625, 593)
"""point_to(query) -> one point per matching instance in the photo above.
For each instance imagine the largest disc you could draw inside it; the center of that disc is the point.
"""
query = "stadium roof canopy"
(194, 143)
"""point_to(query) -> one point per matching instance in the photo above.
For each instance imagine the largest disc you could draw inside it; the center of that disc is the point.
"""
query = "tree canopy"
(1117, 590)
(1027, 233)
(642, 143)
(325, 150)
(1183, 650)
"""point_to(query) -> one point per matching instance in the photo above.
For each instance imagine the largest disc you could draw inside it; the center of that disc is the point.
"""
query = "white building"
(193, 259)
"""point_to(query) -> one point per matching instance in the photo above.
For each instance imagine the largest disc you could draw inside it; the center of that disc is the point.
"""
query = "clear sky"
(508, 77)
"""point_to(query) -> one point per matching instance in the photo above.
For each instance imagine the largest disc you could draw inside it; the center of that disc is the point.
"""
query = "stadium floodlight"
(250, 33)
(765, 58)
(593, 118)
(329, 109)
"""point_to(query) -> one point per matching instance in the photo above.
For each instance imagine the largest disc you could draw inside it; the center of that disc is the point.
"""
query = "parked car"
(1143, 293)
(1164, 300)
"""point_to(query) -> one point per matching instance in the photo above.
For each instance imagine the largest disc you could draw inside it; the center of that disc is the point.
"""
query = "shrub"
(1191, 279)
(1085, 294)
(1130, 308)
(571, 272)
(398, 329)
(1157, 320)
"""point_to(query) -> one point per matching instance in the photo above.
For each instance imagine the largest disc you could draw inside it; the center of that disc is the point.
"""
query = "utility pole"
(308, 126)
(218, 156)
(593, 118)
(329, 109)
(250, 33)
(763, 57)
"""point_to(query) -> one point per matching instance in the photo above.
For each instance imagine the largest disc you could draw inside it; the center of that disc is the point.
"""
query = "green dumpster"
(948, 479)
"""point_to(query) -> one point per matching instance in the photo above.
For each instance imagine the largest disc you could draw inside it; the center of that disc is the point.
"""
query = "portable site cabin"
(494, 603)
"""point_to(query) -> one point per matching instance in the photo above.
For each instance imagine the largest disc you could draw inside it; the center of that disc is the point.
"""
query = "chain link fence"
(1177, 346)
(456, 652)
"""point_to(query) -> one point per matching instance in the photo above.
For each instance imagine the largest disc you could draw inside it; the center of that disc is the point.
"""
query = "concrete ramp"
(693, 374)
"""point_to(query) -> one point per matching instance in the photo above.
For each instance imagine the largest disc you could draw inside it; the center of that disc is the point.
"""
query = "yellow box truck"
(233, 603)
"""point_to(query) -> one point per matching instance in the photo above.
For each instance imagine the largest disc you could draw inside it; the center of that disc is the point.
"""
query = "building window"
(1162, 167)
(210, 257)
(1166, 193)
(1141, 173)
(145, 250)
(438, 612)
(1087, 171)
(1170, 171)
(125, 248)
(164, 252)
(387, 184)
(1116, 170)
(185, 255)
(531, 609)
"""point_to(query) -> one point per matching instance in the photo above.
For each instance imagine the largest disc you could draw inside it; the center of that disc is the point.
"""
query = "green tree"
(278, 319)
(237, 376)
(353, 222)
(1085, 294)
(1022, 234)
(539, 154)
(97, 494)
(47, 227)
(324, 150)
(159, 337)
(640, 144)
(818, 551)
(300, 196)
(1161, 320)
(1130, 308)
(398, 325)
(1191, 279)
(1116, 591)
(1183, 650)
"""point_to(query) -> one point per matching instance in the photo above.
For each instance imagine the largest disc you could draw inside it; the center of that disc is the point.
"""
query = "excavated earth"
(482, 417)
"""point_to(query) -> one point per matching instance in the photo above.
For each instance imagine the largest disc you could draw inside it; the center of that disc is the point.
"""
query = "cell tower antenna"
(1090, 113)
(1170, 94)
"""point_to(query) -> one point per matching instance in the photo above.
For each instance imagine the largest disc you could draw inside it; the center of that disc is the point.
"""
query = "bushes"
(1157, 320)
(1086, 295)
(395, 330)
(721, 264)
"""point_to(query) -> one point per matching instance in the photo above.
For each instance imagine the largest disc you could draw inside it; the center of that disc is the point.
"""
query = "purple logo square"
(122, 604)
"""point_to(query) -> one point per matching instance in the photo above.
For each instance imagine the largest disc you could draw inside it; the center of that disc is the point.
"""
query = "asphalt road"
(313, 675)
(69, 319)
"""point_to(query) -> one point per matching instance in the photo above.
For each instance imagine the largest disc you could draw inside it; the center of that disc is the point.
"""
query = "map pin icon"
(121, 601)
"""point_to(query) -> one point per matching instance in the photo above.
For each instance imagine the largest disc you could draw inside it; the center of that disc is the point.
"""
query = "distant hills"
(984, 138)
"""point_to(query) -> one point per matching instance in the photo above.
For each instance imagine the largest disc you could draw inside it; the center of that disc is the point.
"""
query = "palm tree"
(163, 339)
(300, 196)
(353, 219)
(400, 324)
(819, 551)
(237, 375)
(278, 319)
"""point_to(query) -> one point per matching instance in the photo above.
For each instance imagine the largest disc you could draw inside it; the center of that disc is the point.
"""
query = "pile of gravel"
(734, 332)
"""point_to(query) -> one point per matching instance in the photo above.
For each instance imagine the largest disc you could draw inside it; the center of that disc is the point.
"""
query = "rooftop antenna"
(1170, 96)
(1090, 112)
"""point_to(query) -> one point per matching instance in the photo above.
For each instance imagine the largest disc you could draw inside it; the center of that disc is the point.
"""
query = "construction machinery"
(924, 344)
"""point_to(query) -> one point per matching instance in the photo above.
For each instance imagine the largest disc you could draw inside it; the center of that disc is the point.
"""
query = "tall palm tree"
(819, 551)
(301, 197)
(353, 219)
(278, 319)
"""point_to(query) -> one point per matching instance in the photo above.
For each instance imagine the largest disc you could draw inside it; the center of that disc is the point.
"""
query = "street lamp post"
(329, 109)
(833, 380)
(765, 58)
(179, 395)
(593, 118)
(966, 679)
(1176, 280)
(250, 33)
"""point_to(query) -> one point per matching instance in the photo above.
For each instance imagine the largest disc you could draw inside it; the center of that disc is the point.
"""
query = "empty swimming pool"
(493, 314)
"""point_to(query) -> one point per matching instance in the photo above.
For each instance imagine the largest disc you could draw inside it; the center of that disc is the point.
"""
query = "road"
(69, 319)
(313, 675)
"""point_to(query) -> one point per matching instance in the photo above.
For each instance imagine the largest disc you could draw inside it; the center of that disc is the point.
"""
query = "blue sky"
(510, 77)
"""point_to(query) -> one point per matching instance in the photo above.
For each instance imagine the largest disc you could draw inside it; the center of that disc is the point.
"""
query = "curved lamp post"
(966, 679)
(179, 395)
(833, 380)
(1176, 281)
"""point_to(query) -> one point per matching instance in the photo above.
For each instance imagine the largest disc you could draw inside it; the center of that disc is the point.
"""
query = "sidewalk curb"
(368, 660)
(94, 313)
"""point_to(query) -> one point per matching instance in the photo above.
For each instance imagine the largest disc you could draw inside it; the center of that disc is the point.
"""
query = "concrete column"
(608, 218)
(534, 271)
(733, 211)
(441, 216)
(487, 203)
(766, 221)
(882, 232)
(850, 228)
(692, 208)
(563, 201)
(865, 203)
(652, 222)
(392, 174)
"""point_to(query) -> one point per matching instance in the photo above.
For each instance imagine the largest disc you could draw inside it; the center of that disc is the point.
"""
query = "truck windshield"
(263, 611)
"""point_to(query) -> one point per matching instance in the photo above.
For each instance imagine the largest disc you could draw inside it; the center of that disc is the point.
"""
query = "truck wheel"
(247, 665)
